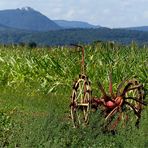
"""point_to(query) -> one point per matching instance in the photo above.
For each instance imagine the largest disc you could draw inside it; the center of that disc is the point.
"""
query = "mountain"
(28, 19)
(74, 24)
(140, 28)
(28, 25)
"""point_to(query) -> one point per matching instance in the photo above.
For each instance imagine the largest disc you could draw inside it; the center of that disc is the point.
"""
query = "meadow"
(35, 90)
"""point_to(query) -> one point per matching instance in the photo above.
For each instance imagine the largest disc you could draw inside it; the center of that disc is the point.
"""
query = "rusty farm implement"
(124, 105)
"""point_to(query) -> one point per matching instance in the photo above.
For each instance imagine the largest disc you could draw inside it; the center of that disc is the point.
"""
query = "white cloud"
(145, 14)
(106, 11)
(70, 14)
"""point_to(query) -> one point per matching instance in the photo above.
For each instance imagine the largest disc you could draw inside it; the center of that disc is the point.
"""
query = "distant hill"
(140, 28)
(28, 19)
(74, 24)
(3, 27)
(68, 36)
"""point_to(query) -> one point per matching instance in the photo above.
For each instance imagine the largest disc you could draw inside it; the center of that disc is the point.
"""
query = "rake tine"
(132, 108)
(111, 113)
(138, 86)
(102, 89)
(130, 83)
(119, 87)
(143, 103)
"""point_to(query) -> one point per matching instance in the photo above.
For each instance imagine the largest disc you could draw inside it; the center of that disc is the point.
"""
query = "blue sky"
(108, 13)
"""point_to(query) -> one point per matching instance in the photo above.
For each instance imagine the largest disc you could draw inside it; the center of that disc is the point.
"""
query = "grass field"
(35, 90)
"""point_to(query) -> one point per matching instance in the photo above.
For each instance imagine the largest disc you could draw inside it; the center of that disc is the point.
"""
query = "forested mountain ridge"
(68, 36)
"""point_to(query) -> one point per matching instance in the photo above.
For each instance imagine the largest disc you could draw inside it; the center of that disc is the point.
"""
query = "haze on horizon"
(107, 13)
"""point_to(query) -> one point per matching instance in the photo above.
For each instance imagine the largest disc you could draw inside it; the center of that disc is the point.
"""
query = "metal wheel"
(132, 94)
(80, 101)
(133, 100)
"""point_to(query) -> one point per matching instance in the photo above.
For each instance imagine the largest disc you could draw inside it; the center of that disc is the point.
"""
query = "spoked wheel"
(129, 111)
(80, 101)
(133, 97)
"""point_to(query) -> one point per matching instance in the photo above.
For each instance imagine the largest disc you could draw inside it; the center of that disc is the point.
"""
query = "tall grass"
(35, 93)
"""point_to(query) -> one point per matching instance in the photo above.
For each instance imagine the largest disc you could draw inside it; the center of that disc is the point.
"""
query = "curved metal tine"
(102, 89)
(126, 89)
(130, 105)
(143, 103)
(138, 86)
(112, 112)
(120, 86)
(111, 85)
(76, 45)
(137, 113)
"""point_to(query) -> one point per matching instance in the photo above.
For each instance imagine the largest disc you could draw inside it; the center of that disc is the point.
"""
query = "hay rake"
(124, 105)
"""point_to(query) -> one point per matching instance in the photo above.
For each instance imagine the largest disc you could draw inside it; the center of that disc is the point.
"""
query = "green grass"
(35, 92)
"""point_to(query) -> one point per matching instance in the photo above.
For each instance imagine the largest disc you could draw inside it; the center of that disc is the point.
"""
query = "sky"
(107, 13)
